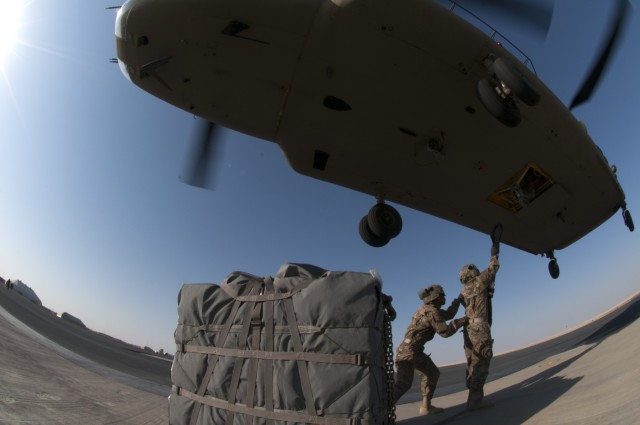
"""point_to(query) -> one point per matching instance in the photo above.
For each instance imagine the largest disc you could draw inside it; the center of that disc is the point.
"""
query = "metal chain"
(388, 363)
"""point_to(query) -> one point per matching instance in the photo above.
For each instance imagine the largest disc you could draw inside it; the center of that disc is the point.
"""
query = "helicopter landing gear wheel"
(520, 86)
(381, 224)
(368, 236)
(384, 221)
(554, 268)
(628, 221)
(498, 103)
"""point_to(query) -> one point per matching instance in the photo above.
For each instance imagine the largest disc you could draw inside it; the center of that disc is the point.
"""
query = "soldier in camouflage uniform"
(428, 320)
(478, 345)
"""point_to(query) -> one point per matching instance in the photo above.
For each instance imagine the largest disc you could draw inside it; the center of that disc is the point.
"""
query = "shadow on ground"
(513, 405)
(626, 316)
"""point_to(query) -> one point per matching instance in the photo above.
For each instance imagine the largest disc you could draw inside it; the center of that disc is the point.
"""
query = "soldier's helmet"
(431, 293)
(468, 272)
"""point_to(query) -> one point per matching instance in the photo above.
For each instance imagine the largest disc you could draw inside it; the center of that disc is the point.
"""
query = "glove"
(463, 321)
(495, 249)
(496, 234)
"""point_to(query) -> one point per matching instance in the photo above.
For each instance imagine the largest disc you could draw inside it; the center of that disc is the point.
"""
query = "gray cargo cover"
(304, 347)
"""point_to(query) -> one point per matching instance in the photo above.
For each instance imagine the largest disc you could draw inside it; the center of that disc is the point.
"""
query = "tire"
(504, 110)
(368, 236)
(628, 221)
(520, 86)
(554, 269)
(384, 221)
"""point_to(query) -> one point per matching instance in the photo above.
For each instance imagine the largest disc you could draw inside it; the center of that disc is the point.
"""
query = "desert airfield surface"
(54, 372)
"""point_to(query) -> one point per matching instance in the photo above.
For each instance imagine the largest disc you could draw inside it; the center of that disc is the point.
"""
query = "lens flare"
(10, 15)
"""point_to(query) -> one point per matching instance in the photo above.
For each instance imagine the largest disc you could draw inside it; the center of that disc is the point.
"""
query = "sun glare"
(10, 11)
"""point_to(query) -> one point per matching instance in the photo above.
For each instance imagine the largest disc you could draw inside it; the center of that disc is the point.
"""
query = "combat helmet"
(431, 293)
(468, 272)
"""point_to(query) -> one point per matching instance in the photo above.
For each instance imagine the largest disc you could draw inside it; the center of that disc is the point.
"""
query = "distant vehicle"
(405, 101)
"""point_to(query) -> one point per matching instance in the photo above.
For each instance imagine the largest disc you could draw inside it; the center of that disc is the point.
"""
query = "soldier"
(428, 320)
(478, 346)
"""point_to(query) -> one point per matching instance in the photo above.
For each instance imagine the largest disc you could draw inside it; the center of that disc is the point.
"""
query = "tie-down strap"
(270, 296)
(270, 415)
(348, 359)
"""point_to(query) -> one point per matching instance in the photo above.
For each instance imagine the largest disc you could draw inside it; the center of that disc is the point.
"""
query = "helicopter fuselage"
(381, 97)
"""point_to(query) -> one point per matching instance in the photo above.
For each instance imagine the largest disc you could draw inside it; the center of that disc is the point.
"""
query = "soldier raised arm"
(476, 297)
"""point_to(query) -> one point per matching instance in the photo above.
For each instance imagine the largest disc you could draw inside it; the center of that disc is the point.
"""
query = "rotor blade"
(533, 14)
(203, 157)
(592, 80)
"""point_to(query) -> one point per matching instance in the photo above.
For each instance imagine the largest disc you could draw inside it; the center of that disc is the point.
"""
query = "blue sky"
(95, 220)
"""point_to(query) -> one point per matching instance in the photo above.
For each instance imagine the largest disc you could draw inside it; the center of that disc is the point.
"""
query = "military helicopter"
(408, 102)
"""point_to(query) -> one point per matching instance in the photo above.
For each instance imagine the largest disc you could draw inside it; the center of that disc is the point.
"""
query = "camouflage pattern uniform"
(478, 345)
(410, 355)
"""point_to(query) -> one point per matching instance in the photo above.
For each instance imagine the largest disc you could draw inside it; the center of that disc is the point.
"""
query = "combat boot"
(476, 400)
(426, 408)
(479, 404)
